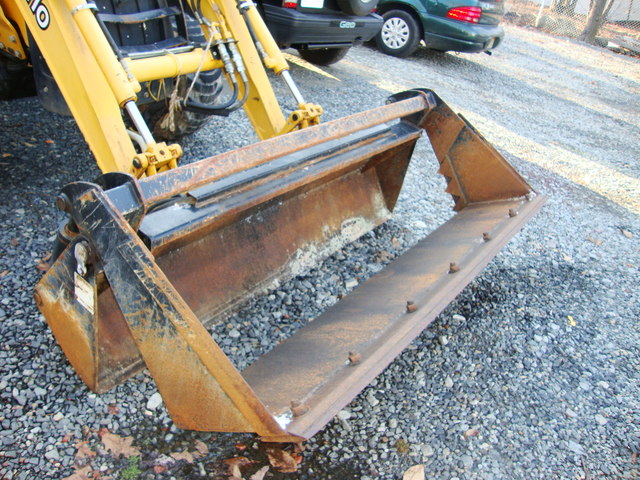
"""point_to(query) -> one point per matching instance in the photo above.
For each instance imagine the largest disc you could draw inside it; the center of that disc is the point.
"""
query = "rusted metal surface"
(176, 251)
(375, 323)
(474, 170)
(72, 326)
(197, 174)
(199, 385)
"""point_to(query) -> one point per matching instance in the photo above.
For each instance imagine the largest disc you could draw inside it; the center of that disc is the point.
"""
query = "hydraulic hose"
(223, 109)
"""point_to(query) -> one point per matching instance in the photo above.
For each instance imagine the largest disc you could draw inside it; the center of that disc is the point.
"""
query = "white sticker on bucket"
(83, 292)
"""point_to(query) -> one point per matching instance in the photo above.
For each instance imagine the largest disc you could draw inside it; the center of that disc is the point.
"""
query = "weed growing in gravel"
(132, 471)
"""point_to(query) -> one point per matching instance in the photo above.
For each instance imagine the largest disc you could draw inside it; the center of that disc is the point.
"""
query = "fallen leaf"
(43, 263)
(4, 273)
(281, 460)
(6, 155)
(159, 469)
(235, 464)
(80, 474)
(118, 445)
(49, 141)
(383, 256)
(595, 241)
(27, 144)
(201, 448)
(414, 473)
(572, 322)
(113, 409)
(627, 233)
(84, 451)
(241, 446)
(472, 432)
(395, 242)
(185, 455)
(42, 266)
(259, 475)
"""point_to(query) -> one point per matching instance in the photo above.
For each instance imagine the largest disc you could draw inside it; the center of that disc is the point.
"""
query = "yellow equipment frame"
(96, 85)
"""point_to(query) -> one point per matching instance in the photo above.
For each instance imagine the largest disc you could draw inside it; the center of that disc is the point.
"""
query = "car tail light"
(465, 14)
(290, 3)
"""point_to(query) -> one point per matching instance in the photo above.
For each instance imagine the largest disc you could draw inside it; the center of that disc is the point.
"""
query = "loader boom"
(99, 80)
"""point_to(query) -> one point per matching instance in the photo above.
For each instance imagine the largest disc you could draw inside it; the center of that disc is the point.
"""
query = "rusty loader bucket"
(150, 262)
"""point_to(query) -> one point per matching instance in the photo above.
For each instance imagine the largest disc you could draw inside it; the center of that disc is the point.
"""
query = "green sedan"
(443, 25)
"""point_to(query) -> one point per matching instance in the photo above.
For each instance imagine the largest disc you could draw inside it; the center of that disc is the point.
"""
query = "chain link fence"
(614, 24)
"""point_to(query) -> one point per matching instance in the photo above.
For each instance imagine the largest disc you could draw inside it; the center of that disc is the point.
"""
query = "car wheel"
(324, 56)
(357, 7)
(400, 34)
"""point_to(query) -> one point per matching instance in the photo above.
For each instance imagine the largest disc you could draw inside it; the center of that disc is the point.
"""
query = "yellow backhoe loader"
(153, 252)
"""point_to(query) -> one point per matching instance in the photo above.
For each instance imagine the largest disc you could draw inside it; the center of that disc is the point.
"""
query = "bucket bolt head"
(63, 203)
(354, 358)
(298, 409)
(486, 236)
(454, 267)
(411, 306)
(512, 212)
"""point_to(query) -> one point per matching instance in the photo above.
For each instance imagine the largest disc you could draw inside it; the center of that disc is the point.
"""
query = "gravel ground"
(531, 373)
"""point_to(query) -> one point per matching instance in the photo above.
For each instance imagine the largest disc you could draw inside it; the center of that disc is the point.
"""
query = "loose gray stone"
(154, 401)
(426, 450)
(570, 413)
(575, 447)
(52, 454)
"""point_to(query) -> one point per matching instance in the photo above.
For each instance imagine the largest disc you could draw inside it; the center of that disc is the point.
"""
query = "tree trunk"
(597, 15)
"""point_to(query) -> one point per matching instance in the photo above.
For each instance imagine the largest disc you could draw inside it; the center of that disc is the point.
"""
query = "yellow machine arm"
(98, 81)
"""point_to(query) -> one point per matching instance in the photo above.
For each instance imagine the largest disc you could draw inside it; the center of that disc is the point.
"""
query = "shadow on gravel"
(577, 130)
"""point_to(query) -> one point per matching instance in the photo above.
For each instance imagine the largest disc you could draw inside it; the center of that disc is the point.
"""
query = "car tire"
(357, 7)
(400, 34)
(324, 56)
(16, 80)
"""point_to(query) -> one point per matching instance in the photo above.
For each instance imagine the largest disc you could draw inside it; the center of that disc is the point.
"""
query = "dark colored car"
(444, 25)
(321, 30)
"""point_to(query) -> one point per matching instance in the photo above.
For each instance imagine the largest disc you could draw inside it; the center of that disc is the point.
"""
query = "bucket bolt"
(512, 212)
(411, 306)
(453, 267)
(486, 236)
(298, 409)
(354, 358)
(63, 203)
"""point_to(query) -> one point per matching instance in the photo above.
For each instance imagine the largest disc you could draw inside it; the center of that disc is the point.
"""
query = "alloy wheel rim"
(395, 33)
